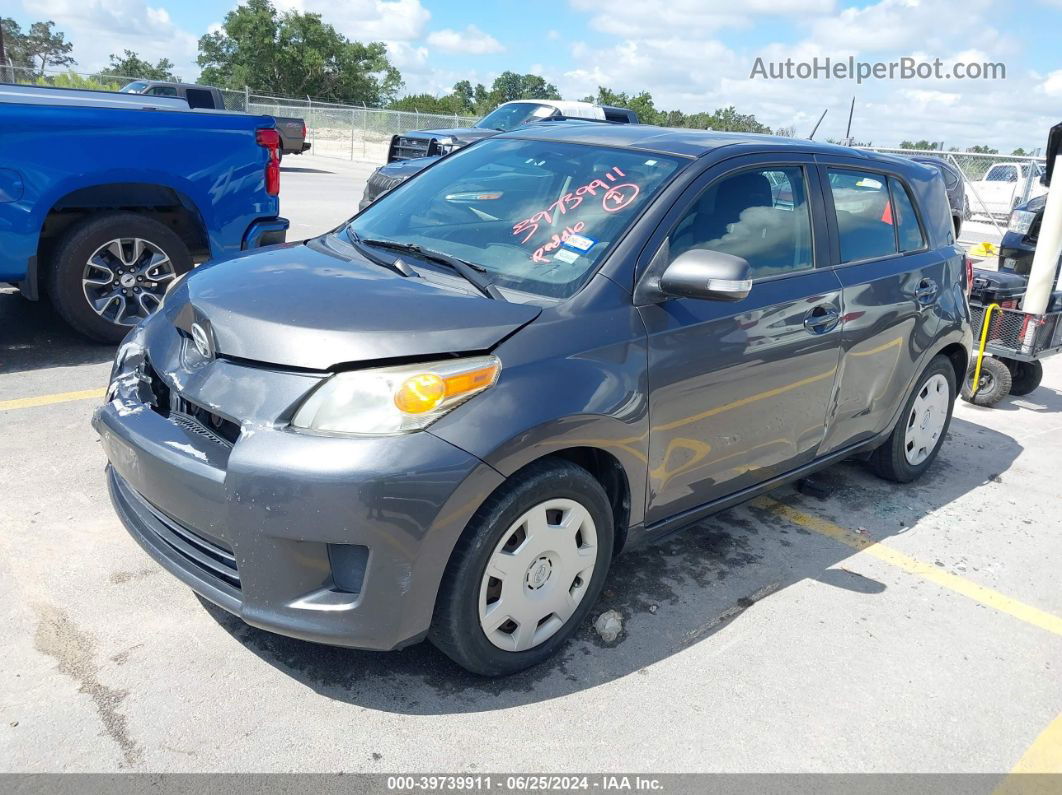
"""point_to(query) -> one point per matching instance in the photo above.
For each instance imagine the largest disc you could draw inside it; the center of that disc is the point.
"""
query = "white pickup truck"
(1003, 187)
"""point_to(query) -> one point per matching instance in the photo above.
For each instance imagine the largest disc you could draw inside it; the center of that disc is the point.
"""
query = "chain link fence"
(994, 184)
(350, 132)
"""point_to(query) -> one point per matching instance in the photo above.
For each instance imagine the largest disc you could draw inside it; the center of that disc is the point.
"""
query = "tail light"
(304, 131)
(968, 267)
(269, 138)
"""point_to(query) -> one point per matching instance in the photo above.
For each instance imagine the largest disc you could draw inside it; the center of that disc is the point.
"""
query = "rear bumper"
(265, 232)
(336, 541)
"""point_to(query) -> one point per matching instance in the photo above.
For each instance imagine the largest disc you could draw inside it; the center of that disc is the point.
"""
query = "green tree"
(1020, 152)
(15, 44)
(39, 48)
(295, 54)
(465, 96)
(983, 150)
(924, 145)
(132, 65)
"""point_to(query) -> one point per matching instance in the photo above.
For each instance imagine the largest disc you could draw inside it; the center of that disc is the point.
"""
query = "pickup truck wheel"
(923, 424)
(526, 571)
(111, 271)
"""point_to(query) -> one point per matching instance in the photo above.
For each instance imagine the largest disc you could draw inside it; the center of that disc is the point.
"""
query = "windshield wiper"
(471, 272)
(398, 265)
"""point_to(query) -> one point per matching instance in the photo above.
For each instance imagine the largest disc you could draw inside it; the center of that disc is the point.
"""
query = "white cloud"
(470, 41)
(1052, 84)
(690, 16)
(98, 28)
(367, 20)
(683, 54)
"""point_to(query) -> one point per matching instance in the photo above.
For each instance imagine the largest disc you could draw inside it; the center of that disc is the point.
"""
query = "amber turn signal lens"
(420, 393)
(425, 392)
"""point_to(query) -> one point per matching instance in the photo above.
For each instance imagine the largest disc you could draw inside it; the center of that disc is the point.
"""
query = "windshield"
(133, 88)
(537, 215)
(509, 117)
(1002, 174)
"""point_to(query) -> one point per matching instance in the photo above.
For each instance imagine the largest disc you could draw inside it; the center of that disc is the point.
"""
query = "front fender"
(576, 377)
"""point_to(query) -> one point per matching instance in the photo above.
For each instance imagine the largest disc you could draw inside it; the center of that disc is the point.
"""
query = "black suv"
(444, 418)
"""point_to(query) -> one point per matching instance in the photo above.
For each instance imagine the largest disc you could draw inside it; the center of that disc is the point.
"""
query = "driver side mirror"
(705, 274)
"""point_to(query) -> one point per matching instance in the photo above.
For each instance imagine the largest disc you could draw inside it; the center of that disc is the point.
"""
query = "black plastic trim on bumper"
(265, 232)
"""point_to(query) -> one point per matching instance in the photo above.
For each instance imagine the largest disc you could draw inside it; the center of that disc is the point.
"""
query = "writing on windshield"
(615, 196)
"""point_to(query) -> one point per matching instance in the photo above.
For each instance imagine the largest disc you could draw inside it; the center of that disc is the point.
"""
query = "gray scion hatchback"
(445, 418)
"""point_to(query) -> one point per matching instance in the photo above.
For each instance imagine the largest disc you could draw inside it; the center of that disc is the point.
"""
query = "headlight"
(387, 400)
(1021, 221)
(445, 149)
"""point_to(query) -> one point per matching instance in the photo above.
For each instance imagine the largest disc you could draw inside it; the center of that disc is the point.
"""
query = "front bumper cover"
(281, 504)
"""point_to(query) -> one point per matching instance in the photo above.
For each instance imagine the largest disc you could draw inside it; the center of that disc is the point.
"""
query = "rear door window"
(864, 214)
(760, 215)
(908, 229)
(199, 98)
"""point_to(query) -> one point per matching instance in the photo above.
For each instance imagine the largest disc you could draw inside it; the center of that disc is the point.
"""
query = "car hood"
(464, 135)
(318, 305)
(407, 168)
(1034, 205)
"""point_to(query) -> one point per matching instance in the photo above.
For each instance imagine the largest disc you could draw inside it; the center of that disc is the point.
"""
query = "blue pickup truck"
(106, 198)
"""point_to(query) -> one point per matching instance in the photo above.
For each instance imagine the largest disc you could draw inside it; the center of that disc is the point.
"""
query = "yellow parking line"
(47, 400)
(971, 590)
(1045, 754)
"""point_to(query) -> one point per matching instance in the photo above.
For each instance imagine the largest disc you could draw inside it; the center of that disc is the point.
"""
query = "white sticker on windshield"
(580, 242)
(566, 256)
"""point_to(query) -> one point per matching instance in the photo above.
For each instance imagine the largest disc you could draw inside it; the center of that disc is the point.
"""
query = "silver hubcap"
(926, 421)
(124, 280)
(537, 575)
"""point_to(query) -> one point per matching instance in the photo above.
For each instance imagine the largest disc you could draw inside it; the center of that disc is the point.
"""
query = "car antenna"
(815, 129)
(848, 132)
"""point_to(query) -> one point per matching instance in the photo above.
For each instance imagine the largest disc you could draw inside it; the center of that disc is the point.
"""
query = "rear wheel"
(993, 384)
(110, 271)
(1024, 376)
(526, 571)
(917, 437)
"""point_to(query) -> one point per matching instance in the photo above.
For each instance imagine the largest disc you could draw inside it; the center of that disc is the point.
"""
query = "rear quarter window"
(908, 230)
(864, 214)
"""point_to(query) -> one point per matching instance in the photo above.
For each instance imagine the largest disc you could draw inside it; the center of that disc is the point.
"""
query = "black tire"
(71, 253)
(995, 383)
(889, 461)
(1024, 376)
(456, 629)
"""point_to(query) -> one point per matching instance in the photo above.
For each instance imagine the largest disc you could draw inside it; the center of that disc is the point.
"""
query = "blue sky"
(691, 54)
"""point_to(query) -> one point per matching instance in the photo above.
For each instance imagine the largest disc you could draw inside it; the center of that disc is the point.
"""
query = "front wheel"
(526, 571)
(917, 437)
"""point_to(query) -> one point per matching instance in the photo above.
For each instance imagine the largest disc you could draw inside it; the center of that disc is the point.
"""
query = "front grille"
(212, 557)
(188, 415)
(406, 148)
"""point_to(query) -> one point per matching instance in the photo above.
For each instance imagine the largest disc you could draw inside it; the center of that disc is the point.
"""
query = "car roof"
(683, 142)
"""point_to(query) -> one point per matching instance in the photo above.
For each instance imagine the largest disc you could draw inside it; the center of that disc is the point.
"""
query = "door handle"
(822, 318)
(926, 292)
